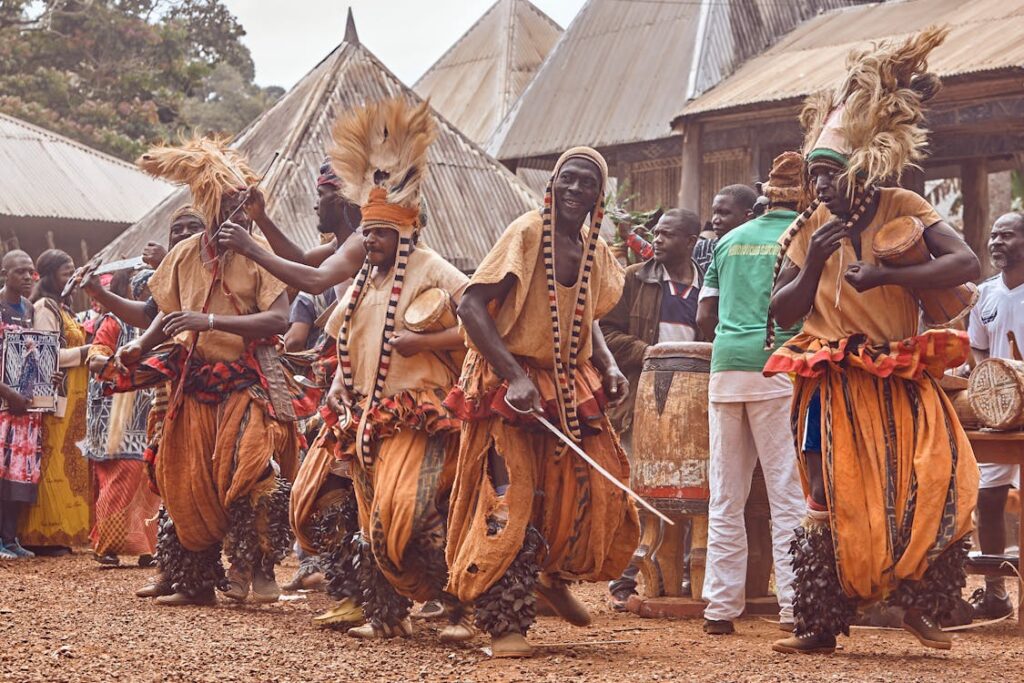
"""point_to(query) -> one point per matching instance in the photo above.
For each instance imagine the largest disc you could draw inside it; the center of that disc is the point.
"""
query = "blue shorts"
(812, 424)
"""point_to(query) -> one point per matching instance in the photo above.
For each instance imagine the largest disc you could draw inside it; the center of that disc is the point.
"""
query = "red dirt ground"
(64, 619)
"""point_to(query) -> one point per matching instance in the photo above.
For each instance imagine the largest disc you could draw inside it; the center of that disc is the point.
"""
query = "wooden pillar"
(689, 173)
(977, 224)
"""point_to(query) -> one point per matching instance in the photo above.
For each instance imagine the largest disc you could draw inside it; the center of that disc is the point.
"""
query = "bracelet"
(211, 321)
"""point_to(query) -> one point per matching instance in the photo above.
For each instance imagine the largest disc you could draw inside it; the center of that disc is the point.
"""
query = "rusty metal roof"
(985, 36)
(477, 80)
(470, 197)
(46, 175)
(622, 69)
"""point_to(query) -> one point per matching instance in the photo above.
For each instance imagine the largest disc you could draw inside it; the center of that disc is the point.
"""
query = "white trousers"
(741, 434)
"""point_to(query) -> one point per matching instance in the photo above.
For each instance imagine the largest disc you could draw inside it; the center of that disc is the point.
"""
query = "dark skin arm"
(794, 292)
(522, 394)
(252, 326)
(256, 208)
(132, 312)
(296, 336)
(615, 383)
(953, 263)
(266, 323)
(707, 317)
(16, 403)
(337, 268)
(406, 343)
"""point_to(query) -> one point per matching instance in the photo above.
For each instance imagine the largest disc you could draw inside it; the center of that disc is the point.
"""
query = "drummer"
(748, 413)
(889, 473)
(658, 304)
(999, 312)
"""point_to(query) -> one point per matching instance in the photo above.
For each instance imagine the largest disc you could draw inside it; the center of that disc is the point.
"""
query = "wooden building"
(475, 82)
(470, 198)
(623, 70)
(734, 130)
(60, 193)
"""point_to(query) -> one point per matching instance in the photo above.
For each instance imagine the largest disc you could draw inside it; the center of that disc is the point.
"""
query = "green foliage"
(119, 75)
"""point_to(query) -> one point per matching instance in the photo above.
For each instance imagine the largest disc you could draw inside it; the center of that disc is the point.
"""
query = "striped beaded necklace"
(384, 359)
(565, 370)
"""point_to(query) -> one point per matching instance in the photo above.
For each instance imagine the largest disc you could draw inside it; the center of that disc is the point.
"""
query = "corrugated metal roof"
(477, 80)
(985, 36)
(46, 175)
(471, 198)
(624, 69)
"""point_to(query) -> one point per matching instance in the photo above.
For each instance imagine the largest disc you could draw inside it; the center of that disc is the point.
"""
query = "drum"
(996, 393)
(670, 427)
(431, 311)
(669, 467)
(900, 242)
(962, 407)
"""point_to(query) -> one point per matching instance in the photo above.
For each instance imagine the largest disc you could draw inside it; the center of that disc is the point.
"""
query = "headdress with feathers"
(869, 126)
(380, 154)
(207, 165)
(872, 119)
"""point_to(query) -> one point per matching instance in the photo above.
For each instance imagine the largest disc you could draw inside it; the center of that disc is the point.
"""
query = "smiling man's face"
(577, 188)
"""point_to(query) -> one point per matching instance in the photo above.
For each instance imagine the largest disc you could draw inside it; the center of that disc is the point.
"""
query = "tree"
(119, 75)
(229, 102)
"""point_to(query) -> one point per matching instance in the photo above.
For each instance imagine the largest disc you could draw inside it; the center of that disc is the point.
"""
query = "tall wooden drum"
(669, 466)
(670, 427)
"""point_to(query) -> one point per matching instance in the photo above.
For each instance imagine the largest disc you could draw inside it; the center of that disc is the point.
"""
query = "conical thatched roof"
(470, 197)
(475, 82)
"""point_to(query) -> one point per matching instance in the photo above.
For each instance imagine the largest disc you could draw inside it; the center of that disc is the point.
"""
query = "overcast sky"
(288, 37)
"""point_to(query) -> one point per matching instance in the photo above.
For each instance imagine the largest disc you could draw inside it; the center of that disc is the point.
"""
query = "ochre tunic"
(590, 526)
(900, 476)
(214, 454)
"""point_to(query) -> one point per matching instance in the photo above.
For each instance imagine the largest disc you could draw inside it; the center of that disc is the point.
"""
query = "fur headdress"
(207, 165)
(380, 154)
(870, 123)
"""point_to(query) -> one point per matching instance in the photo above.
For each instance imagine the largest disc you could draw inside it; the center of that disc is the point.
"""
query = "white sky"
(288, 37)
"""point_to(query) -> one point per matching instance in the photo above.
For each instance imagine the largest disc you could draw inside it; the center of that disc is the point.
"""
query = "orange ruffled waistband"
(422, 410)
(932, 352)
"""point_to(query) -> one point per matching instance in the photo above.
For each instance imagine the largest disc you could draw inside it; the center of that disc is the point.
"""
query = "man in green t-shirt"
(748, 412)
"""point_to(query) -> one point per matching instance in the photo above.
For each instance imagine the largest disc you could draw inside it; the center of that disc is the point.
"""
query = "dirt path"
(66, 620)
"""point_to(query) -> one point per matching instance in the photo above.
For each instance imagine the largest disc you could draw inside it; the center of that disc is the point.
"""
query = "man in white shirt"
(1000, 311)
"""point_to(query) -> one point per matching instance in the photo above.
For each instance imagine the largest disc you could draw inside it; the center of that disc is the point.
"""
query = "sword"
(112, 267)
(593, 463)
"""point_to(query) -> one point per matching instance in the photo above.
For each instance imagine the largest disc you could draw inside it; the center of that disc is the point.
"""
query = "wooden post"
(977, 224)
(689, 183)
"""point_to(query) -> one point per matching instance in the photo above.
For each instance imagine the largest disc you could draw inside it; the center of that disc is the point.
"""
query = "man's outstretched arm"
(480, 327)
(339, 267)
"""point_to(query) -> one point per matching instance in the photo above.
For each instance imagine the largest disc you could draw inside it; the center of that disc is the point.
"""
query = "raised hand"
(237, 239)
(153, 254)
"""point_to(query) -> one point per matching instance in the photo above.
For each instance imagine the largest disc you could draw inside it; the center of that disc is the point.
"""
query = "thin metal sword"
(593, 463)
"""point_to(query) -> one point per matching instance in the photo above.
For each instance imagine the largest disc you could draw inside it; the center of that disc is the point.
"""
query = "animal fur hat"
(870, 123)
